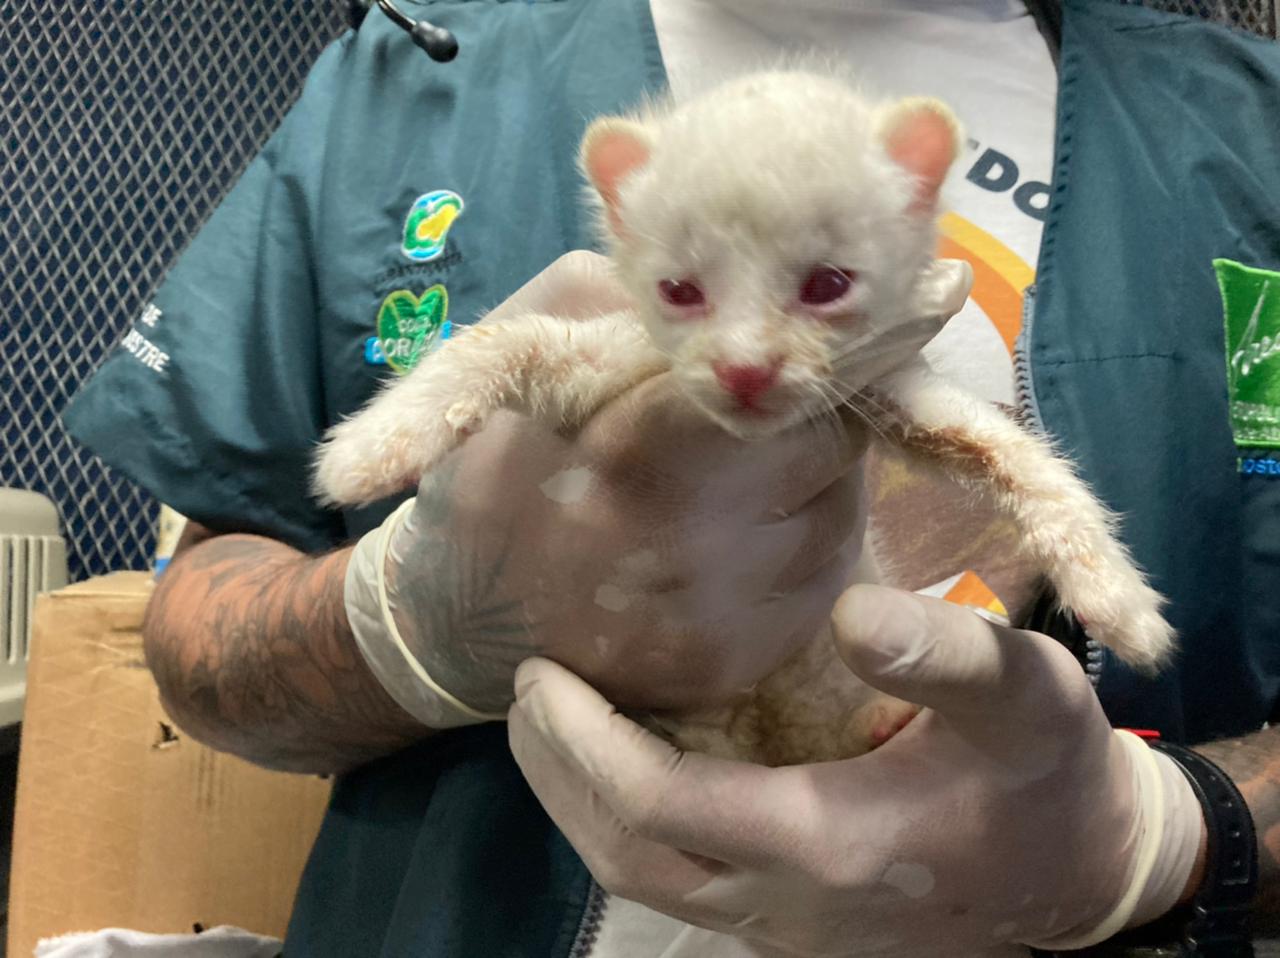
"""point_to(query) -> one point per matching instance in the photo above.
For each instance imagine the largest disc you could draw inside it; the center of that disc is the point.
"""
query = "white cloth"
(986, 59)
(221, 942)
(630, 930)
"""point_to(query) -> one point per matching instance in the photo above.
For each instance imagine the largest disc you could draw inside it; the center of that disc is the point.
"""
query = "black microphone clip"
(439, 43)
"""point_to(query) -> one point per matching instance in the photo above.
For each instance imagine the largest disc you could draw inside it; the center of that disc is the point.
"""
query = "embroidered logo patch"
(408, 328)
(427, 226)
(1251, 304)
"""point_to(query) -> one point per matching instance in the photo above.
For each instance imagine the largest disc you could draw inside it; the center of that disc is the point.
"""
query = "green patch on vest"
(1251, 307)
(408, 325)
(427, 226)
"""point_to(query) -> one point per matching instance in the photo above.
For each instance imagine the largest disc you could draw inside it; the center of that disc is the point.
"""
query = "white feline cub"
(775, 235)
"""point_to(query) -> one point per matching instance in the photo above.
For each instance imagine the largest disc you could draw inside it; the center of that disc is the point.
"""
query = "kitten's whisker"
(866, 398)
(865, 402)
(827, 395)
(834, 399)
(870, 422)
(854, 402)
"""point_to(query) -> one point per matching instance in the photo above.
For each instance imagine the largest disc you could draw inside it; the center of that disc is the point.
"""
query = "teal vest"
(1166, 159)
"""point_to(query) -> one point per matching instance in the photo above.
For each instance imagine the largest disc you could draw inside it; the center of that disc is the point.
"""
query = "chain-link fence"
(123, 124)
(1256, 16)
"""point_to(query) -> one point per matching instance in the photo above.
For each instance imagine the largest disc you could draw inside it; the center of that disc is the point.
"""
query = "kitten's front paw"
(356, 465)
(342, 476)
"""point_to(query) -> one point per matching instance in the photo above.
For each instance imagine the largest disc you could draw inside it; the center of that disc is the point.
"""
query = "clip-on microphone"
(439, 43)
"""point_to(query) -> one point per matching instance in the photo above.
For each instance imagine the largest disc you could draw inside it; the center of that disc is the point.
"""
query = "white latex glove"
(1007, 811)
(665, 561)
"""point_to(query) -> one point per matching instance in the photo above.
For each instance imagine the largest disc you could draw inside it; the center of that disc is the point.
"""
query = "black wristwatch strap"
(1219, 925)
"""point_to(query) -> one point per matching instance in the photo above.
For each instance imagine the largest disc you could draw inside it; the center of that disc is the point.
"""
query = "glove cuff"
(1168, 839)
(380, 642)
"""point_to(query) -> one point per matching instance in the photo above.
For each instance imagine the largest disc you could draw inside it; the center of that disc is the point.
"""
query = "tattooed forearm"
(249, 643)
(1253, 762)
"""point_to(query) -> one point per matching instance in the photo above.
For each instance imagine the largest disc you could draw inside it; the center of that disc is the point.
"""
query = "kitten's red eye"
(825, 284)
(681, 292)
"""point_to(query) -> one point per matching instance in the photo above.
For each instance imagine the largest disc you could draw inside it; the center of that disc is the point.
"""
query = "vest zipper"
(584, 941)
(1065, 629)
(1023, 379)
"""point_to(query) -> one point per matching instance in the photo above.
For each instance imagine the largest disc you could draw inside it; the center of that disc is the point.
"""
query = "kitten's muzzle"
(747, 384)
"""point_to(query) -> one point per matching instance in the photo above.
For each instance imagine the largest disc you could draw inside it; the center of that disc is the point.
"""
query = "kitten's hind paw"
(1139, 636)
(1125, 616)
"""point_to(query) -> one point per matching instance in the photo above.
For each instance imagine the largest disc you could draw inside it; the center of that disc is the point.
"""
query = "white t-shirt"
(986, 59)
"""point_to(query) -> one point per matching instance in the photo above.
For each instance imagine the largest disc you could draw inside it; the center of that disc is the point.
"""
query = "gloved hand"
(663, 560)
(1007, 811)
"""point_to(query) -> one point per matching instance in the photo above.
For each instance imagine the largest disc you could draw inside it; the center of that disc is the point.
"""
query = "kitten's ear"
(922, 136)
(613, 149)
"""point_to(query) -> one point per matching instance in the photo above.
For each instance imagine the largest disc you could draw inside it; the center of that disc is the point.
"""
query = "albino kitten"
(776, 235)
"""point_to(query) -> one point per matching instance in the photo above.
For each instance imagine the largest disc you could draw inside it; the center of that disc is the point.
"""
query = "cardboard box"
(124, 821)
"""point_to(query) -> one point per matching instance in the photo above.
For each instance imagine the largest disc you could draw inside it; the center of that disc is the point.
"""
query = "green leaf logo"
(427, 226)
(409, 326)
(1251, 308)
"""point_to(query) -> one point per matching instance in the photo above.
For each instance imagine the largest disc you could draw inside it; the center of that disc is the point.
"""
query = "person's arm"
(249, 642)
(1253, 763)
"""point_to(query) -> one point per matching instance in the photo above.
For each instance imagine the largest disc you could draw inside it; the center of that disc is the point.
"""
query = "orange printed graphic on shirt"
(971, 591)
(999, 274)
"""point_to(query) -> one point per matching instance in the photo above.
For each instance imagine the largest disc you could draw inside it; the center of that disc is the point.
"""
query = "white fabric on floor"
(221, 942)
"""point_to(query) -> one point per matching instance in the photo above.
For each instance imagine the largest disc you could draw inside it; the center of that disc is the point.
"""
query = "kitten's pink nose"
(746, 383)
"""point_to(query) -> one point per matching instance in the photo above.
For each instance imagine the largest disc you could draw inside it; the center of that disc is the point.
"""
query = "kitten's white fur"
(747, 189)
